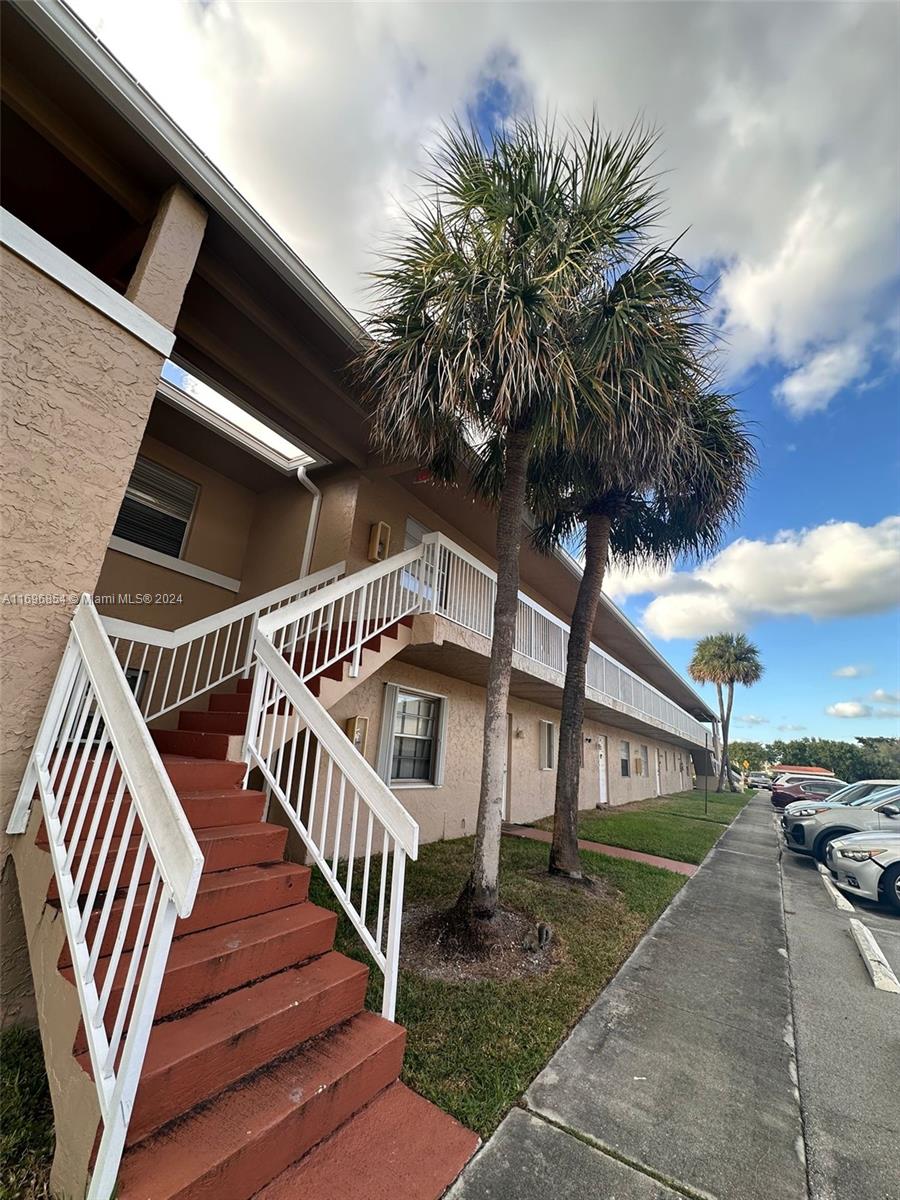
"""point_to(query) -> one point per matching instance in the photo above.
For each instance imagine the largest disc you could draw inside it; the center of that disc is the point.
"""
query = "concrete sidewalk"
(681, 1078)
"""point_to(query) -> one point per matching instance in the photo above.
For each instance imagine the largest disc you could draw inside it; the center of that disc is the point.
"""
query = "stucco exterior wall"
(76, 391)
(217, 539)
(449, 810)
(277, 536)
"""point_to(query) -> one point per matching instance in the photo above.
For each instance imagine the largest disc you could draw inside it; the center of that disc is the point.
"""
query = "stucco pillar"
(77, 387)
(168, 257)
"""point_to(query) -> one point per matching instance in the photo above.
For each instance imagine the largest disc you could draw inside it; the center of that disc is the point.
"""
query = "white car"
(867, 865)
(853, 793)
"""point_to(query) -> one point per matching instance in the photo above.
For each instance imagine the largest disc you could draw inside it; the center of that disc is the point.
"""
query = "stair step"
(213, 722)
(222, 898)
(399, 1147)
(188, 773)
(241, 1140)
(197, 745)
(222, 848)
(203, 809)
(230, 701)
(245, 687)
(205, 965)
(195, 1057)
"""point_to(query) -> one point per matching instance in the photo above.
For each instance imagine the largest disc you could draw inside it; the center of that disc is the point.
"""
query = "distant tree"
(888, 751)
(755, 753)
(725, 659)
(866, 758)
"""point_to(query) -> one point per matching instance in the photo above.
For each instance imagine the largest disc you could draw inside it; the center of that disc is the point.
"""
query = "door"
(604, 779)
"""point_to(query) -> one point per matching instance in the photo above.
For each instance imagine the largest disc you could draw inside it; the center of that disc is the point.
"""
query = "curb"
(877, 965)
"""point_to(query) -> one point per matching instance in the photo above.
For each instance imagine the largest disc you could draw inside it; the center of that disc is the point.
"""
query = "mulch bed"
(429, 949)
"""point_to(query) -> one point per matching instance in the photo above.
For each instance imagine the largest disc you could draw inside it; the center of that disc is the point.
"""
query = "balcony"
(459, 603)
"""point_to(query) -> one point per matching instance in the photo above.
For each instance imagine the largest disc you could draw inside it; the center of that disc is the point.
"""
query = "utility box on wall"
(379, 542)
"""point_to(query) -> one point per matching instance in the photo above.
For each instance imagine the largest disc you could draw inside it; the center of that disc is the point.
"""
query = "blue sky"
(778, 126)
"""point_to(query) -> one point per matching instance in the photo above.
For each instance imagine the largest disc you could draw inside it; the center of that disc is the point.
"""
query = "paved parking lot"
(742, 1053)
(848, 1040)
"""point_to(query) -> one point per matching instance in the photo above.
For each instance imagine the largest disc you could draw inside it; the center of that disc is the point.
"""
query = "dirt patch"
(589, 885)
(519, 949)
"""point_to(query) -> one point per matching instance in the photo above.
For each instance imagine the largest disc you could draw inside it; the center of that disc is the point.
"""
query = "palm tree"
(474, 346)
(725, 659)
(673, 496)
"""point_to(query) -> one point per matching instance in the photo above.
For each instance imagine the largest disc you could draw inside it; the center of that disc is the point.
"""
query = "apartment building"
(282, 667)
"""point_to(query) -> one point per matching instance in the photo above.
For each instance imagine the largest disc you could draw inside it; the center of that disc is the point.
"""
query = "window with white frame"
(645, 760)
(413, 732)
(624, 758)
(157, 508)
(547, 749)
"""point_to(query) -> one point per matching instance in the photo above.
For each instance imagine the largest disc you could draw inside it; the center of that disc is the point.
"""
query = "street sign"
(746, 764)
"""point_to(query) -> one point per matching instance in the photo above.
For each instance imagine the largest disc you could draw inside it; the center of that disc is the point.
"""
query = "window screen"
(645, 761)
(415, 737)
(156, 509)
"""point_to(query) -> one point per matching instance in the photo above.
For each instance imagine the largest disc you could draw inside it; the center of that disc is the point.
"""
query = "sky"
(778, 127)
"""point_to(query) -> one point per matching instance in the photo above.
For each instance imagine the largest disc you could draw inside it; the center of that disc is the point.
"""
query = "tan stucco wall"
(76, 392)
(217, 539)
(168, 257)
(449, 810)
(276, 538)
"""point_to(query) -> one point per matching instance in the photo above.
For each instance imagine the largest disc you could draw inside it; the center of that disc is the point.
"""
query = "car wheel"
(822, 842)
(890, 887)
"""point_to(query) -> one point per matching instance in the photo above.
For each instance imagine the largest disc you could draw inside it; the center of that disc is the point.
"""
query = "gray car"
(809, 829)
(867, 865)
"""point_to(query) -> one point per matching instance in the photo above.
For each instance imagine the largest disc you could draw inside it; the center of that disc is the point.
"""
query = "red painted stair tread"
(399, 1147)
(194, 1057)
(233, 1146)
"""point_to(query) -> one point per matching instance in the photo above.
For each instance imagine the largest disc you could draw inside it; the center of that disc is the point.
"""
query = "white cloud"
(852, 671)
(839, 569)
(791, 728)
(751, 719)
(857, 709)
(849, 709)
(884, 697)
(815, 384)
(779, 124)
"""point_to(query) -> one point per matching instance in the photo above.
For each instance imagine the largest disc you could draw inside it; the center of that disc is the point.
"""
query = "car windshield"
(854, 792)
(876, 797)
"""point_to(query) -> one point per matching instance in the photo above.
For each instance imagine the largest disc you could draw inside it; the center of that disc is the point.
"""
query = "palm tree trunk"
(477, 903)
(724, 759)
(564, 857)
(725, 734)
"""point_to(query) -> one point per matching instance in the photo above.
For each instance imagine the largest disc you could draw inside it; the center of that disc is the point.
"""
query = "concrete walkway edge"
(651, 860)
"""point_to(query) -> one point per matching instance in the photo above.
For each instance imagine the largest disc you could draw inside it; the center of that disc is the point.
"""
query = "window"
(157, 508)
(547, 749)
(645, 761)
(412, 736)
(667, 759)
(624, 757)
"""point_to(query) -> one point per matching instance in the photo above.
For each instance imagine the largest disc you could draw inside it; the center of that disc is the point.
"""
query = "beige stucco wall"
(449, 810)
(217, 539)
(76, 392)
(277, 536)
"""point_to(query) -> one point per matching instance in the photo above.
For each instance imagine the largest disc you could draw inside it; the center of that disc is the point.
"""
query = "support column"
(170, 252)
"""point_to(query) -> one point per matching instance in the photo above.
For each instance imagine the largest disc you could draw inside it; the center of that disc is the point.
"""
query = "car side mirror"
(891, 810)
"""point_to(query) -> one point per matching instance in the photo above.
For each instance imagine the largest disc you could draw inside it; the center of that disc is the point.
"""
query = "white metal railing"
(464, 593)
(353, 826)
(125, 862)
(169, 668)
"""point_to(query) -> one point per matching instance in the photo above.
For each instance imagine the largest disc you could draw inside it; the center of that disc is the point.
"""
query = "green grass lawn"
(671, 826)
(473, 1048)
(26, 1118)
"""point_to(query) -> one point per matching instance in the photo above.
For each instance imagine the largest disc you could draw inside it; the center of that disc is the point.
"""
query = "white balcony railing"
(465, 593)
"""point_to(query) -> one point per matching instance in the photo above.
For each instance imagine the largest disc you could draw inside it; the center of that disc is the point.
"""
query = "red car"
(806, 789)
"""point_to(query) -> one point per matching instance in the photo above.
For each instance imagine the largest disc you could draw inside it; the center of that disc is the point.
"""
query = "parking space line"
(877, 965)
(840, 901)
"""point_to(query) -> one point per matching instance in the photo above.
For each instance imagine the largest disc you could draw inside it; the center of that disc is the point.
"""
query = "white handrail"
(125, 863)
(171, 667)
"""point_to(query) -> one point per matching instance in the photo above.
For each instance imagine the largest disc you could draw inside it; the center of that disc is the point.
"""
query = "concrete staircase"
(264, 1075)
